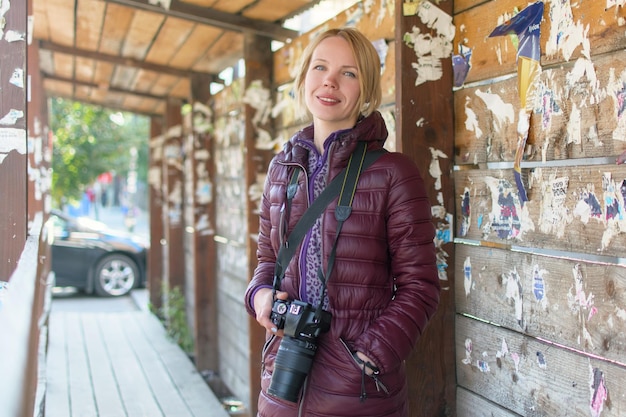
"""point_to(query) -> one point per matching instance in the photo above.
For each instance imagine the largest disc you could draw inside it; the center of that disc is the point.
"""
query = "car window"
(61, 229)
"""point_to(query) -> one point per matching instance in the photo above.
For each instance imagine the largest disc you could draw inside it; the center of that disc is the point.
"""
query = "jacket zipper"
(379, 384)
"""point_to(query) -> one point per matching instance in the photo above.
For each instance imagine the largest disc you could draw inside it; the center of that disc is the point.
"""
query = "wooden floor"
(121, 365)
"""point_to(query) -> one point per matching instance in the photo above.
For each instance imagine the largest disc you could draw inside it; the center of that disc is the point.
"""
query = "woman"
(384, 286)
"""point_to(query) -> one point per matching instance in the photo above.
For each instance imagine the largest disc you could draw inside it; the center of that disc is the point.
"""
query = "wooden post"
(202, 201)
(431, 368)
(13, 143)
(259, 67)
(157, 236)
(173, 198)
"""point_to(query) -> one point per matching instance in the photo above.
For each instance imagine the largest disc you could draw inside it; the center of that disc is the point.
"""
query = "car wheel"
(115, 275)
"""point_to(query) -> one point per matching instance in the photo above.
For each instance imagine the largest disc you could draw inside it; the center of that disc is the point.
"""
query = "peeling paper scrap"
(11, 117)
(5, 5)
(430, 49)
(14, 36)
(12, 139)
(435, 169)
(17, 78)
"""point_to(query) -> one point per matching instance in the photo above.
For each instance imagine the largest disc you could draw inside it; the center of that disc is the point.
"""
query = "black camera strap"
(343, 184)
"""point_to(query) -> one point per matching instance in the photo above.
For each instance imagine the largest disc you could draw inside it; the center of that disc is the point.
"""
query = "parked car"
(93, 258)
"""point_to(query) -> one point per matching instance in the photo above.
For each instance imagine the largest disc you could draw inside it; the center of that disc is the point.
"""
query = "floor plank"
(121, 365)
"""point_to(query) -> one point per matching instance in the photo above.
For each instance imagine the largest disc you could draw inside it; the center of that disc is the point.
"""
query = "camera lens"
(293, 362)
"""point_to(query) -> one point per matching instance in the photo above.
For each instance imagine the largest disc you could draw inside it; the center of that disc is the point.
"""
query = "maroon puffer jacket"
(384, 286)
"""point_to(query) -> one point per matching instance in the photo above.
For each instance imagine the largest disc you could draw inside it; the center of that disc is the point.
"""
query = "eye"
(349, 74)
(318, 67)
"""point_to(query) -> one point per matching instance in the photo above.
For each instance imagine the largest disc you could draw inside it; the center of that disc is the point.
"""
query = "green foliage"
(90, 140)
(175, 314)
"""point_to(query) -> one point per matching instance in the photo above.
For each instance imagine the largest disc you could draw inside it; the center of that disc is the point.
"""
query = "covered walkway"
(120, 364)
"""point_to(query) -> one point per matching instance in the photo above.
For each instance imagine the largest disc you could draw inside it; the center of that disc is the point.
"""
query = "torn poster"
(527, 26)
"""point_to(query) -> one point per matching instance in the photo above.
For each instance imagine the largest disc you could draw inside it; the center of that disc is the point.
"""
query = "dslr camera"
(295, 353)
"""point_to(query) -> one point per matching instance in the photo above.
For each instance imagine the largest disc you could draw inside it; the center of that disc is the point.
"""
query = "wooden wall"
(540, 295)
(231, 238)
(25, 276)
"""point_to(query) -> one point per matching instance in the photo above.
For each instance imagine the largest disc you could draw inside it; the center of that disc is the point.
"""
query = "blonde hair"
(368, 66)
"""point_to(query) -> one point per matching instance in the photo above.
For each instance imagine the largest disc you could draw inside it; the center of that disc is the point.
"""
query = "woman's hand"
(263, 301)
(368, 371)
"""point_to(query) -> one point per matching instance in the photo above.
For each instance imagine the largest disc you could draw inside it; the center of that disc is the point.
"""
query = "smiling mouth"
(328, 100)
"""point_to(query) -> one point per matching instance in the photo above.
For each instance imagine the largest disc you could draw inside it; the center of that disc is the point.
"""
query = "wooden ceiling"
(133, 54)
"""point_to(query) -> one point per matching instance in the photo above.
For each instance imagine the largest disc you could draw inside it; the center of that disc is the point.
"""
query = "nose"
(330, 81)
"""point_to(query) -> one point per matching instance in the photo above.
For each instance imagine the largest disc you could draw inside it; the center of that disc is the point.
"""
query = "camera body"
(295, 353)
(297, 319)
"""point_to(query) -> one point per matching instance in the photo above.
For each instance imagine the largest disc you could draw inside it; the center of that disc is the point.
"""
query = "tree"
(91, 140)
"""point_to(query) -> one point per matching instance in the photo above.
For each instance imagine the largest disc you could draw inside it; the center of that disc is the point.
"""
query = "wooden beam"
(211, 17)
(106, 87)
(114, 59)
(105, 105)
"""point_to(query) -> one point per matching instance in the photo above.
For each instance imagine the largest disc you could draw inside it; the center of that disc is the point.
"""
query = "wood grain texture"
(575, 115)
(572, 303)
(533, 378)
(493, 57)
(576, 215)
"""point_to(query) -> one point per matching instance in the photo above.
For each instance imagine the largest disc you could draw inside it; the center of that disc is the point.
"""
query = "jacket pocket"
(358, 363)
(268, 355)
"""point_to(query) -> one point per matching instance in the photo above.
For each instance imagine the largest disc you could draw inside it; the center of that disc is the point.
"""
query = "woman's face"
(331, 85)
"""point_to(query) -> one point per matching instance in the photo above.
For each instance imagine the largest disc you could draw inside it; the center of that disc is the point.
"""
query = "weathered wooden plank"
(576, 114)
(103, 381)
(102, 73)
(57, 384)
(63, 65)
(84, 69)
(171, 36)
(223, 53)
(89, 23)
(196, 394)
(132, 383)
(60, 16)
(199, 40)
(163, 84)
(141, 33)
(470, 404)
(157, 376)
(586, 21)
(82, 401)
(462, 5)
(271, 11)
(41, 30)
(181, 89)
(116, 23)
(231, 6)
(533, 378)
(577, 304)
(571, 208)
(58, 88)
